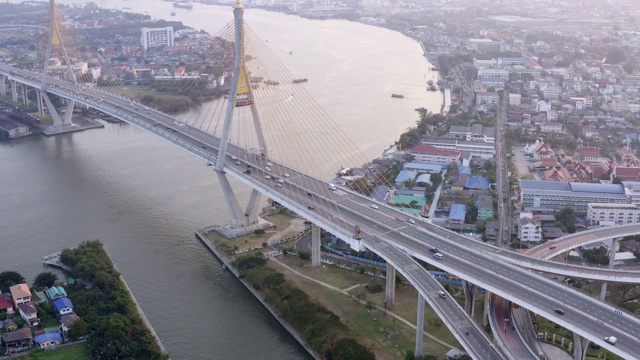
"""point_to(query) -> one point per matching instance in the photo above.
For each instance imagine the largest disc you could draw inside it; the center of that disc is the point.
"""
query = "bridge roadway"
(463, 327)
(385, 229)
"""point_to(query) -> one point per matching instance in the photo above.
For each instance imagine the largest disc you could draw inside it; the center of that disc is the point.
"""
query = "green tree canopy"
(350, 349)
(8, 279)
(45, 279)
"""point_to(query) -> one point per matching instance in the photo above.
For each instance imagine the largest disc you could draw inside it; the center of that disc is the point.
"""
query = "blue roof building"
(63, 306)
(48, 340)
(464, 170)
(380, 193)
(457, 214)
(477, 183)
(403, 176)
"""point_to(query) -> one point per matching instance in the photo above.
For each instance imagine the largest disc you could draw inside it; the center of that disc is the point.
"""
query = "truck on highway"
(611, 340)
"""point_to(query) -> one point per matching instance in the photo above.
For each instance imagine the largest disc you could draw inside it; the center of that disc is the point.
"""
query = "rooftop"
(458, 212)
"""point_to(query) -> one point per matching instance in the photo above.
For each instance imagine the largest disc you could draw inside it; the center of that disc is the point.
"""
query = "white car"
(281, 181)
(374, 206)
(286, 175)
(267, 177)
(269, 163)
(234, 158)
(278, 185)
(238, 163)
(267, 169)
(411, 221)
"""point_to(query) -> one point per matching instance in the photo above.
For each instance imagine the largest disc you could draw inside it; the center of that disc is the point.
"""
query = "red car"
(552, 247)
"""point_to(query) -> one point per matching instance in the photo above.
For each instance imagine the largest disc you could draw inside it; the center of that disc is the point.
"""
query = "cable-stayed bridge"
(270, 135)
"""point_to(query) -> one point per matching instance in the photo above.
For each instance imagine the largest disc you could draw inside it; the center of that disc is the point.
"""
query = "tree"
(259, 232)
(44, 279)
(303, 255)
(370, 305)
(350, 349)
(436, 179)
(8, 279)
(567, 218)
(79, 329)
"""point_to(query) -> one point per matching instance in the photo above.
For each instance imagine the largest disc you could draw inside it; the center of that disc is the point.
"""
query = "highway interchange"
(387, 232)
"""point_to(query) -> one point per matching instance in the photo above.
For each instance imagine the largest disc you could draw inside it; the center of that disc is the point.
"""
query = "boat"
(290, 52)
(173, 13)
(397, 96)
(224, 266)
(183, 5)
(432, 88)
(298, 81)
(271, 82)
(430, 82)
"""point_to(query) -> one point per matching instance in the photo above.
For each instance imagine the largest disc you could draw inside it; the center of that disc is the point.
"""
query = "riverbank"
(203, 236)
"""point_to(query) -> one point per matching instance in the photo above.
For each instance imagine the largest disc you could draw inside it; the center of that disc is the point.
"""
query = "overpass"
(385, 230)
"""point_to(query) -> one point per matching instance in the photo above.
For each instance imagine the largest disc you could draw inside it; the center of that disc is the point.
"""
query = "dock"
(54, 260)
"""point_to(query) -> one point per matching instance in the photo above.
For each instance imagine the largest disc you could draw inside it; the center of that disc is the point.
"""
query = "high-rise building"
(154, 37)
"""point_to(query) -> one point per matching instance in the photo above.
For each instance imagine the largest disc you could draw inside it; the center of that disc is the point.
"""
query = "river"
(144, 199)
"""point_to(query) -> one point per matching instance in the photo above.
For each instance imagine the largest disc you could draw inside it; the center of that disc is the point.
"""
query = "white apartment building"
(488, 98)
(613, 214)
(529, 230)
(551, 92)
(493, 74)
(474, 148)
(543, 106)
(154, 37)
(432, 155)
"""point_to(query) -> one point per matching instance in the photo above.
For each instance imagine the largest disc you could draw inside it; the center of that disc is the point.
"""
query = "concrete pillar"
(25, 95)
(420, 326)
(577, 350)
(237, 216)
(390, 286)
(253, 206)
(470, 291)
(315, 245)
(3, 85)
(612, 257)
(40, 103)
(14, 91)
(485, 311)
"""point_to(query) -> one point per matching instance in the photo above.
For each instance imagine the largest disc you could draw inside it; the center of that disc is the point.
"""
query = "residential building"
(55, 292)
(6, 304)
(433, 155)
(67, 320)
(63, 306)
(475, 132)
(422, 168)
(20, 294)
(551, 92)
(48, 340)
(475, 148)
(156, 37)
(404, 177)
(487, 98)
(17, 340)
(551, 127)
(486, 45)
(515, 99)
(457, 214)
(484, 203)
(529, 230)
(477, 183)
(493, 74)
(553, 196)
(613, 214)
(28, 312)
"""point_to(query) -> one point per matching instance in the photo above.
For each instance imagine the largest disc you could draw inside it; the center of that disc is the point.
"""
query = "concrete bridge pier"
(485, 311)
(3, 85)
(420, 325)
(613, 249)
(25, 95)
(390, 286)
(580, 347)
(40, 103)
(470, 291)
(14, 91)
(315, 244)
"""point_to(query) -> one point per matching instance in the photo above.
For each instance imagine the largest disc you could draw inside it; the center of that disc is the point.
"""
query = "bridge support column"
(485, 311)
(25, 95)
(253, 207)
(14, 91)
(3, 85)
(420, 325)
(470, 291)
(315, 245)
(390, 287)
(40, 103)
(59, 121)
(613, 249)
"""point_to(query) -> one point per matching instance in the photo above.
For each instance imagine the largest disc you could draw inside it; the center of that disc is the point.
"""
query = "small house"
(48, 340)
(63, 306)
(67, 320)
(6, 304)
(17, 340)
(55, 292)
(29, 313)
(20, 294)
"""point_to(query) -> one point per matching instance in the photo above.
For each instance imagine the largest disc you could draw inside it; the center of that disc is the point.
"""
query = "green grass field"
(75, 352)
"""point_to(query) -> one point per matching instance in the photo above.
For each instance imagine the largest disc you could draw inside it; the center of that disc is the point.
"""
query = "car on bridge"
(442, 294)
(553, 247)
(374, 206)
(238, 163)
(267, 177)
(434, 250)
(411, 221)
(286, 175)
(559, 311)
(311, 208)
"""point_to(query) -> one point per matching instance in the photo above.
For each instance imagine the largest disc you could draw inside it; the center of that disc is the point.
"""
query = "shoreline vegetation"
(102, 300)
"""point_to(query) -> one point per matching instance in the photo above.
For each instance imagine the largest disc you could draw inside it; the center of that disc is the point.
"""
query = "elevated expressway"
(386, 232)
(202, 144)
